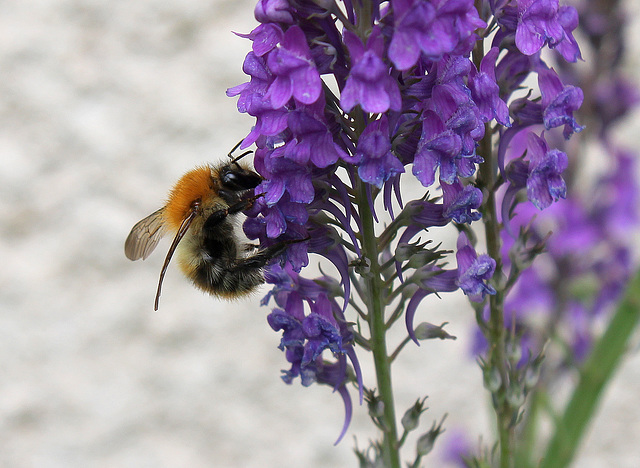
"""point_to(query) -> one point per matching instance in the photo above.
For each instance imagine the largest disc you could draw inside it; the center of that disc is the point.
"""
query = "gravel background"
(103, 104)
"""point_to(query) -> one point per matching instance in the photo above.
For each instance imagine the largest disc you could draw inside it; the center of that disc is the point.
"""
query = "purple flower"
(459, 202)
(265, 38)
(486, 92)
(306, 336)
(284, 174)
(460, 114)
(568, 47)
(369, 83)
(312, 141)
(473, 270)
(438, 147)
(294, 70)
(559, 102)
(277, 11)
(434, 27)
(545, 183)
(537, 25)
(252, 100)
(376, 163)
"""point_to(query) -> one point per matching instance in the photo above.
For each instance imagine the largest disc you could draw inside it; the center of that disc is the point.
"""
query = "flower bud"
(491, 379)
(427, 331)
(426, 441)
(411, 417)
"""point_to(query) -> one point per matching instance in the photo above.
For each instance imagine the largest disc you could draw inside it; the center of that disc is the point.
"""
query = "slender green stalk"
(595, 374)
(496, 335)
(377, 326)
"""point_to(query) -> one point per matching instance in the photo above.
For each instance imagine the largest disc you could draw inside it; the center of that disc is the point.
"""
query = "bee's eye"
(239, 179)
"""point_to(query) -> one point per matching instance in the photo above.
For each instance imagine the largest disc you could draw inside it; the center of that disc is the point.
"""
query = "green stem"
(375, 304)
(595, 374)
(496, 333)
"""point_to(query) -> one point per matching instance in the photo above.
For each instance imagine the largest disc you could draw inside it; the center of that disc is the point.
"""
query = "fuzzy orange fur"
(196, 184)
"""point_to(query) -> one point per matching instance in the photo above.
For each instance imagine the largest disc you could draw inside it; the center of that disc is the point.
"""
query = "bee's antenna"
(234, 148)
(237, 158)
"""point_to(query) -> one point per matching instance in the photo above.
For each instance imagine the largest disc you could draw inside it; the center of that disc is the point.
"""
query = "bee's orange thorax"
(194, 185)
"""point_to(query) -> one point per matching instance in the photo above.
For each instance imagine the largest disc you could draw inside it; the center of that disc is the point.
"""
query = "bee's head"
(236, 178)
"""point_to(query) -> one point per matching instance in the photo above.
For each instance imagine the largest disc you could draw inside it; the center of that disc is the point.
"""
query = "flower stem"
(594, 375)
(377, 326)
(496, 334)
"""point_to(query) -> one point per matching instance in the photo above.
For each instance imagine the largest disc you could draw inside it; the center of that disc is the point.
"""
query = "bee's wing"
(144, 236)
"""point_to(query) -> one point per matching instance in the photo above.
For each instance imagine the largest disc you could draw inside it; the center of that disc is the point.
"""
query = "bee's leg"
(217, 217)
(243, 274)
(262, 257)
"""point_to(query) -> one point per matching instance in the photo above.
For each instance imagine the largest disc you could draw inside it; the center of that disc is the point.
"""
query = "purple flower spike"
(545, 184)
(376, 162)
(559, 102)
(474, 270)
(295, 71)
(369, 83)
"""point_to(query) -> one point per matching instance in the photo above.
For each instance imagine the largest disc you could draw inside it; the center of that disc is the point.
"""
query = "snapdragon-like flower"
(474, 270)
(369, 83)
(433, 28)
(376, 163)
(545, 183)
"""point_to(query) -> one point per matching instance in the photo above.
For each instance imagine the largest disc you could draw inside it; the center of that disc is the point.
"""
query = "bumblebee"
(201, 212)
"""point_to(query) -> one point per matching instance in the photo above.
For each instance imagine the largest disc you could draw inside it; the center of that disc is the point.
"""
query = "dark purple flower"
(559, 102)
(294, 70)
(537, 25)
(568, 47)
(369, 83)
(433, 27)
(545, 183)
(306, 336)
(452, 102)
(376, 163)
(282, 175)
(486, 92)
(312, 141)
(473, 270)
(276, 11)
(459, 202)
(265, 38)
(438, 147)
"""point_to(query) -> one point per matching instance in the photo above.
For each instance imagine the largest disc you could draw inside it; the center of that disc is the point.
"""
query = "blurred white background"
(103, 105)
